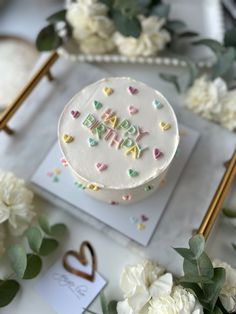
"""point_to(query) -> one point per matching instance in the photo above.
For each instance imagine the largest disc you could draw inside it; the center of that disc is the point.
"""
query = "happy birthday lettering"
(108, 128)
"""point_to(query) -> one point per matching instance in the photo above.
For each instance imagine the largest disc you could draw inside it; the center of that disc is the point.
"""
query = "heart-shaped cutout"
(127, 197)
(67, 138)
(132, 110)
(101, 166)
(157, 153)
(132, 90)
(133, 173)
(97, 105)
(75, 114)
(92, 142)
(107, 91)
(144, 218)
(133, 220)
(81, 258)
(165, 126)
(157, 104)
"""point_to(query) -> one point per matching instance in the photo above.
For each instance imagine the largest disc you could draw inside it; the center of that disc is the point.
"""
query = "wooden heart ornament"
(82, 259)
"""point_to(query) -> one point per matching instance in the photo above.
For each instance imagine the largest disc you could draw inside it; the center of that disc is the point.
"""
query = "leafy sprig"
(27, 265)
(200, 277)
(230, 214)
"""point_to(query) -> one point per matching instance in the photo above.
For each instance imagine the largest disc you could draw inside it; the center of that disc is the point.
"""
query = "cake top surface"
(118, 133)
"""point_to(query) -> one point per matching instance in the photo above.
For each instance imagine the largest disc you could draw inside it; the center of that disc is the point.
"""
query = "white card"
(66, 292)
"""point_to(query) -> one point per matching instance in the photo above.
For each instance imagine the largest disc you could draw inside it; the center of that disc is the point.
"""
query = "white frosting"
(82, 158)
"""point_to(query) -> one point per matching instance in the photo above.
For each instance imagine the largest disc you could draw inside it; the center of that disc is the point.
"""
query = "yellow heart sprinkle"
(165, 126)
(67, 138)
(93, 187)
(107, 91)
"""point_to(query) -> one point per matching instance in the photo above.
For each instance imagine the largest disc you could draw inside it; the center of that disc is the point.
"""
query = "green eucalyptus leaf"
(200, 267)
(190, 267)
(58, 230)
(34, 238)
(212, 290)
(58, 16)
(154, 3)
(185, 253)
(112, 305)
(213, 44)
(193, 72)
(171, 79)
(161, 10)
(230, 38)
(34, 266)
(8, 290)
(195, 279)
(48, 246)
(127, 26)
(188, 34)
(229, 213)
(44, 224)
(197, 245)
(175, 26)
(217, 310)
(224, 63)
(128, 9)
(108, 3)
(48, 39)
(103, 303)
(194, 288)
(234, 246)
(18, 259)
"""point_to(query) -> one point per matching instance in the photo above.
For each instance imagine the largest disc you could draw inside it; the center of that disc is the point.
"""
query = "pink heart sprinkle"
(144, 218)
(75, 114)
(64, 162)
(132, 90)
(157, 153)
(101, 167)
(126, 197)
(49, 174)
(132, 110)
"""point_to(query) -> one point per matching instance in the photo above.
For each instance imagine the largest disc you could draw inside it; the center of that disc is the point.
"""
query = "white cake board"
(136, 221)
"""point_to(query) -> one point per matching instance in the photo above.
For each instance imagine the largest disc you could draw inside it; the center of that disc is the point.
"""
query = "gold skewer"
(218, 199)
(7, 114)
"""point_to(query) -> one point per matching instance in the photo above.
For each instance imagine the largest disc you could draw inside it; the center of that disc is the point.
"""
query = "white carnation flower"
(92, 29)
(2, 237)
(205, 96)
(227, 116)
(151, 40)
(15, 203)
(228, 291)
(180, 301)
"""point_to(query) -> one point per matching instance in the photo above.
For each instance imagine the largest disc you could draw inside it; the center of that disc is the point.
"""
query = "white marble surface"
(35, 125)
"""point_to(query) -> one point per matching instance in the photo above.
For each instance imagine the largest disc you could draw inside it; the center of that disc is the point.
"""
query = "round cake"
(118, 137)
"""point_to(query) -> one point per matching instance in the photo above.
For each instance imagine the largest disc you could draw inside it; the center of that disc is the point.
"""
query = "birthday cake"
(118, 137)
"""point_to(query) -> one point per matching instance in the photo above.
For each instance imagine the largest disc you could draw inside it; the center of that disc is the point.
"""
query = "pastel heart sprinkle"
(101, 166)
(157, 104)
(144, 218)
(107, 91)
(127, 197)
(157, 153)
(92, 142)
(132, 110)
(132, 90)
(55, 179)
(93, 187)
(165, 126)
(64, 162)
(57, 171)
(50, 174)
(75, 114)
(97, 105)
(133, 220)
(80, 185)
(140, 227)
(148, 188)
(67, 138)
(114, 203)
(133, 173)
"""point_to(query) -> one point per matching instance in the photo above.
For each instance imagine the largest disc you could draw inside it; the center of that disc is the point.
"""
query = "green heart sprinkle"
(157, 104)
(148, 188)
(97, 105)
(133, 173)
(92, 142)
